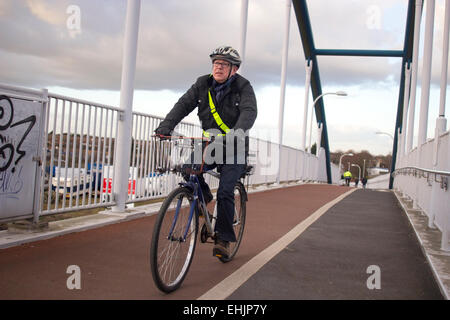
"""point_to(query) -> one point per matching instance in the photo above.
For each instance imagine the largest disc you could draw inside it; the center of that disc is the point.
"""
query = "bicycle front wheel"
(174, 239)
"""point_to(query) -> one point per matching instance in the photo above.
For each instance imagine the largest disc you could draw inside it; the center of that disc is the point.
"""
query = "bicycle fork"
(208, 223)
(175, 219)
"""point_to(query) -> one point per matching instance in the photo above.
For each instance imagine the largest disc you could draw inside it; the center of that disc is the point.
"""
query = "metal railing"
(79, 150)
(422, 177)
(425, 173)
(78, 168)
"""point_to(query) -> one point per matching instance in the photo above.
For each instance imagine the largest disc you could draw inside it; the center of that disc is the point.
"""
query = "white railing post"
(283, 84)
(126, 105)
(243, 34)
(445, 238)
(414, 71)
(319, 137)
(426, 73)
(313, 111)
(405, 110)
(42, 154)
(441, 122)
(308, 68)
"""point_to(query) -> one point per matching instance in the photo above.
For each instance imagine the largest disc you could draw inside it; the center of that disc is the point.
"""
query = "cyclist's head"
(226, 62)
(226, 53)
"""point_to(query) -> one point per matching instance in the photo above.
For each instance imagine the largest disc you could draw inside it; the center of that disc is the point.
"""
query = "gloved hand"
(163, 132)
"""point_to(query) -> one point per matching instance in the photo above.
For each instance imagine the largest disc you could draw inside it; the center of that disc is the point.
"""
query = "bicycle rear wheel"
(174, 239)
(239, 220)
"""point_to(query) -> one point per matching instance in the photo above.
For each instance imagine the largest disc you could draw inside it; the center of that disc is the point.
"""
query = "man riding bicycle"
(227, 109)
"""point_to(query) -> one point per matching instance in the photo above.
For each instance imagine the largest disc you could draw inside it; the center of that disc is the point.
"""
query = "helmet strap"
(229, 73)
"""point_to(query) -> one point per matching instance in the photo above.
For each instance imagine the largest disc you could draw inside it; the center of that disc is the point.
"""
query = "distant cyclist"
(226, 104)
(347, 177)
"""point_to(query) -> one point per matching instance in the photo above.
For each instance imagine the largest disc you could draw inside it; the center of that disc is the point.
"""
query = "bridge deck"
(328, 260)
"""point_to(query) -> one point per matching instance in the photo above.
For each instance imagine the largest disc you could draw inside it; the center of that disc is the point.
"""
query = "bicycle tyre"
(239, 220)
(171, 257)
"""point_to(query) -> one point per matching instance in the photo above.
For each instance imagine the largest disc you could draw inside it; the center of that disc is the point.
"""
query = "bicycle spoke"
(164, 260)
(168, 261)
(171, 267)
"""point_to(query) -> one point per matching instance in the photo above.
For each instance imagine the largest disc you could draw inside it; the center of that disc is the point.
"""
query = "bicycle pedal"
(219, 255)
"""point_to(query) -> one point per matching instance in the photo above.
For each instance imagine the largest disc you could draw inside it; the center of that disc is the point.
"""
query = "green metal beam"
(359, 53)
(304, 26)
(311, 53)
(407, 58)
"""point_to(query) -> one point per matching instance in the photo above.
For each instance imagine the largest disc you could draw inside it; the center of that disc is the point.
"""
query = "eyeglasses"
(221, 64)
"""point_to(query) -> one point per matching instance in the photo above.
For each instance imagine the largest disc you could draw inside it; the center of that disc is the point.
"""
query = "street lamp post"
(364, 168)
(388, 134)
(338, 93)
(355, 165)
(340, 160)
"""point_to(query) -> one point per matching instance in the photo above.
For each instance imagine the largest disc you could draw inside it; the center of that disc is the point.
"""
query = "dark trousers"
(229, 175)
(230, 172)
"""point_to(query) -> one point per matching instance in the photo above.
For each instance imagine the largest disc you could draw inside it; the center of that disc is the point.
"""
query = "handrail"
(82, 101)
(23, 93)
(425, 173)
(443, 173)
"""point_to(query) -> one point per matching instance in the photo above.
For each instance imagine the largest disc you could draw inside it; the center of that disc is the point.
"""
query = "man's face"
(221, 70)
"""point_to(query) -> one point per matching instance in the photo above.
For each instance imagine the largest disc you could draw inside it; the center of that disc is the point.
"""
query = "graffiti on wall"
(16, 124)
(6, 121)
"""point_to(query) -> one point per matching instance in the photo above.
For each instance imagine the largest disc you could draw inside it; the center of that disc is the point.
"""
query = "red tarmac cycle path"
(114, 260)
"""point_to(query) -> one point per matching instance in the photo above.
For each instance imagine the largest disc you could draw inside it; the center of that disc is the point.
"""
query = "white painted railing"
(423, 176)
(78, 151)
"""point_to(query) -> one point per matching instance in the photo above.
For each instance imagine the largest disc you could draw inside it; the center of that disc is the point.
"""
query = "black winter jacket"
(237, 108)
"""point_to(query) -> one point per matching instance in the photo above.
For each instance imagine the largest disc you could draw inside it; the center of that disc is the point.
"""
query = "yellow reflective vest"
(216, 116)
(347, 174)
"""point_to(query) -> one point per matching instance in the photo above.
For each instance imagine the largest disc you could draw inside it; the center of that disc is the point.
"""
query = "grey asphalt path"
(363, 241)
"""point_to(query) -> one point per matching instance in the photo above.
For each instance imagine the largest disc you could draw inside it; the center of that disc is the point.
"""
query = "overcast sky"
(40, 49)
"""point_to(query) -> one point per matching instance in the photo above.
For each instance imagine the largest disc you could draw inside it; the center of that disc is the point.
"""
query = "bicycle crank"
(204, 235)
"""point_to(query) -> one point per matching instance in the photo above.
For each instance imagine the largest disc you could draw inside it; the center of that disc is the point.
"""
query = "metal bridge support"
(311, 53)
(123, 150)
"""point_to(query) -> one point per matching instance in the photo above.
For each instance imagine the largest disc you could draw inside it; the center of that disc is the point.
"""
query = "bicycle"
(176, 228)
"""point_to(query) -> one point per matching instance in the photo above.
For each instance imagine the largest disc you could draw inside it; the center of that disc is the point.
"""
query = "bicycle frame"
(194, 185)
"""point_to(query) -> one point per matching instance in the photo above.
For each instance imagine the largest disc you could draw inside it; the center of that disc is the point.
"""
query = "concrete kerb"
(11, 238)
(429, 240)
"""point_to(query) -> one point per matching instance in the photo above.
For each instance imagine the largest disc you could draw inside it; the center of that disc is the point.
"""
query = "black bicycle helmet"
(226, 53)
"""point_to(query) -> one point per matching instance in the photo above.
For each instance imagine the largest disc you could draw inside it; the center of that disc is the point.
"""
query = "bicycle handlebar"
(164, 137)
